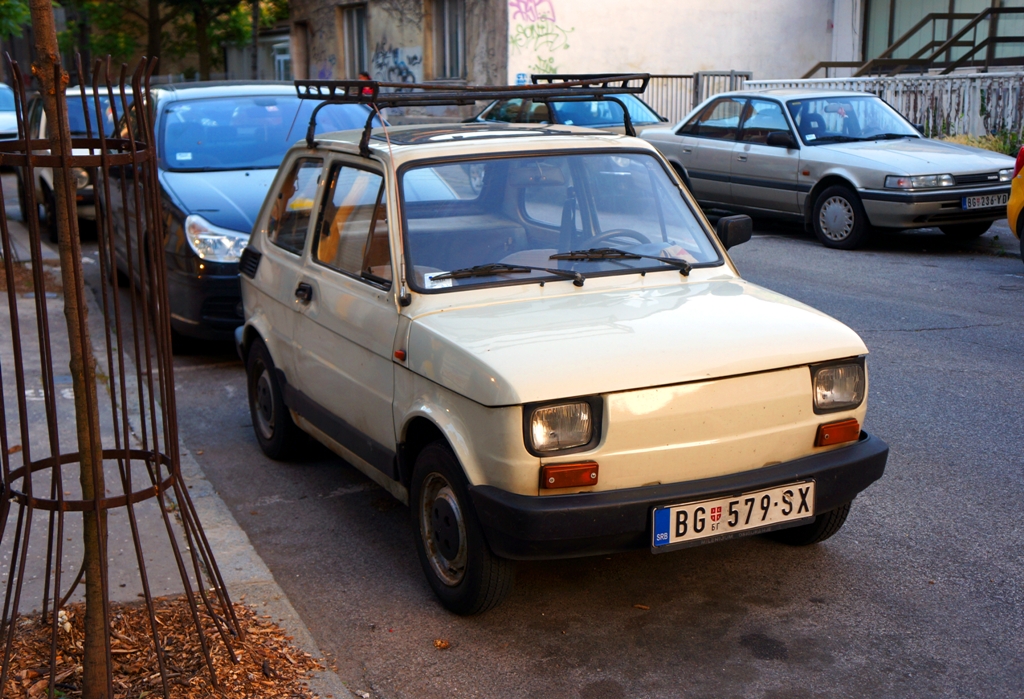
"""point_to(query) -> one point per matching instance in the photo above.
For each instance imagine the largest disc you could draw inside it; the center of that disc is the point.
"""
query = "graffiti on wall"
(535, 34)
(397, 64)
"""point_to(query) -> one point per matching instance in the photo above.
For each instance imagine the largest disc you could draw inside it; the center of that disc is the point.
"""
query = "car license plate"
(678, 525)
(986, 201)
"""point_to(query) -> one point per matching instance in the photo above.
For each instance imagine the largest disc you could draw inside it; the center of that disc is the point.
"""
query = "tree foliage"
(14, 14)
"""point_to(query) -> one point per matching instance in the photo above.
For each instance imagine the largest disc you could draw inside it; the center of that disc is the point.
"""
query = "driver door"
(347, 322)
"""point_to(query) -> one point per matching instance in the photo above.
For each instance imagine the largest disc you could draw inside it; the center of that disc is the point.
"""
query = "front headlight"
(552, 428)
(919, 181)
(1006, 175)
(212, 242)
(81, 177)
(838, 386)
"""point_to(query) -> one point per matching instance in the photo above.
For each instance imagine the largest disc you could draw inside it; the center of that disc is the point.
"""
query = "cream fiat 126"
(532, 336)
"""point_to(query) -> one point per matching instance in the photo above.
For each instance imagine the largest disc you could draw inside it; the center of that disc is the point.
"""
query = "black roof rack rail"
(382, 95)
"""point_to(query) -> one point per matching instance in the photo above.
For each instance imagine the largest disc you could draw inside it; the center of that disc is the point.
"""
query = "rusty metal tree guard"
(143, 433)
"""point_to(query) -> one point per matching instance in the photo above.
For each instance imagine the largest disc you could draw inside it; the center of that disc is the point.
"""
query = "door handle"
(741, 158)
(304, 292)
(687, 150)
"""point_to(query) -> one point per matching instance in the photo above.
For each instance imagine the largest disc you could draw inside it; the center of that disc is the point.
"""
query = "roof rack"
(382, 95)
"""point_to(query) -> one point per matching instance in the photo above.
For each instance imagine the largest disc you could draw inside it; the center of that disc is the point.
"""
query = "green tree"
(14, 14)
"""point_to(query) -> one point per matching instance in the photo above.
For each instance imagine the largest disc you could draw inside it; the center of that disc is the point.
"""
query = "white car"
(532, 336)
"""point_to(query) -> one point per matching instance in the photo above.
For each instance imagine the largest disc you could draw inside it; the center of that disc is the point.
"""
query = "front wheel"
(461, 569)
(276, 433)
(50, 211)
(839, 220)
(966, 231)
(824, 526)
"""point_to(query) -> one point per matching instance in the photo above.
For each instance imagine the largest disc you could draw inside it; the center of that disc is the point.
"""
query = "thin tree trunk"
(202, 19)
(96, 671)
(255, 39)
(155, 25)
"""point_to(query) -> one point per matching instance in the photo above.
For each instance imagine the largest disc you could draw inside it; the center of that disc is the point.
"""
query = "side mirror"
(919, 127)
(733, 230)
(782, 139)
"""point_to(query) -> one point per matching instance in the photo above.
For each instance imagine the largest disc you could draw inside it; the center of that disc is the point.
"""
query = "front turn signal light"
(576, 475)
(837, 433)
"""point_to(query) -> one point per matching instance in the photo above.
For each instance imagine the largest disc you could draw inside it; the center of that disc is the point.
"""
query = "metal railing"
(673, 96)
(981, 31)
(947, 105)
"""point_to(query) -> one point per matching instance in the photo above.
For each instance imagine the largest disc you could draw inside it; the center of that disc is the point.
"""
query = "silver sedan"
(840, 162)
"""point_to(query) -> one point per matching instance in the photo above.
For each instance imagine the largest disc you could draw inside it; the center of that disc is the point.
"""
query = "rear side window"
(353, 234)
(505, 110)
(293, 206)
(721, 120)
(763, 118)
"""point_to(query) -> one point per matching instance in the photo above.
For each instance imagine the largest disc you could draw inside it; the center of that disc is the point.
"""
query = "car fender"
(488, 442)
(828, 178)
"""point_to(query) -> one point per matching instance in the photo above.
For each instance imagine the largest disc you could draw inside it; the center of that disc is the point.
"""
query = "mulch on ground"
(268, 666)
(23, 281)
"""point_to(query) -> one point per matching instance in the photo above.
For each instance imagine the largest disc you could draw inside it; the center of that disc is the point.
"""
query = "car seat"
(813, 124)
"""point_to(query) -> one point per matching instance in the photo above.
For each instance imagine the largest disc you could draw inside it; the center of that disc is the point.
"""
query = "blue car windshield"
(240, 133)
(76, 114)
(603, 112)
(6, 99)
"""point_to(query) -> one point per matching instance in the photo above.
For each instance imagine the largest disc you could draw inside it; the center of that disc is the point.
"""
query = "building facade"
(400, 40)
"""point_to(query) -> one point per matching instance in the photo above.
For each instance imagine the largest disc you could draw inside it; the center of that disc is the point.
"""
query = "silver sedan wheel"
(265, 405)
(443, 528)
(836, 218)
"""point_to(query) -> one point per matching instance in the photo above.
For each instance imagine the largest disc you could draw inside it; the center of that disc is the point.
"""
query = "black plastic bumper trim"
(590, 524)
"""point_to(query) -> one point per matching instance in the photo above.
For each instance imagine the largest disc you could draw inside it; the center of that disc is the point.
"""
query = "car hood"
(919, 156)
(609, 341)
(229, 198)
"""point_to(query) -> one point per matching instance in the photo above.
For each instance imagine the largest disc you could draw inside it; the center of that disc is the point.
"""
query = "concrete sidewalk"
(247, 577)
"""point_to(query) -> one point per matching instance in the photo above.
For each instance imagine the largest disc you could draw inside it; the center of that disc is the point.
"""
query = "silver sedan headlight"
(1006, 175)
(212, 242)
(838, 385)
(918, 181)
(560, 427)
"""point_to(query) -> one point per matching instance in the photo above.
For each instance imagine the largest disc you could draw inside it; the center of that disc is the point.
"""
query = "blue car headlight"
(212, 242)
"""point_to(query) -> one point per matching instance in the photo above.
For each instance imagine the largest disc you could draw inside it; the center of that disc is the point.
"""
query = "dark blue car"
(219, 146)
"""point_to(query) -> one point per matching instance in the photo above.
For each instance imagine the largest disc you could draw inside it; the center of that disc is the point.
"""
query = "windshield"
(238, 133)
(6, 99)
(603, 112)
(520, 211)
(76, 114)
(855, 118)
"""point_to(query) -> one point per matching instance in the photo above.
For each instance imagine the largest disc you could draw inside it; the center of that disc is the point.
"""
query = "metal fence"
(673, 96)
(947, 105)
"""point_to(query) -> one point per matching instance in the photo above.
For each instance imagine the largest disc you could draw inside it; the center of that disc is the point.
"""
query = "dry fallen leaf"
(441, 644)
(641, 606)
(14, 450)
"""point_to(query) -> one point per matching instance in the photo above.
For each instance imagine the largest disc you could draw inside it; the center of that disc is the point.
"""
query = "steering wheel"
(621, 232)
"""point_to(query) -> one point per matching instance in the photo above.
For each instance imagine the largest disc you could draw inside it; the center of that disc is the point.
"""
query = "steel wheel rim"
(441, 520)
(264, 404)
(836, 218)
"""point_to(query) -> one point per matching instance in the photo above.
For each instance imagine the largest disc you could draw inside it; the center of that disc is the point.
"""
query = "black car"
(219, 146)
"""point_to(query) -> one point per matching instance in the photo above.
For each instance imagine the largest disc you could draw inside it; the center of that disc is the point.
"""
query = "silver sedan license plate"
(986, 201)
(678, 525)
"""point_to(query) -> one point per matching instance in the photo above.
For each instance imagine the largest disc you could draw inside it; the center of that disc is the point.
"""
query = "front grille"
(222, 308)
(249, 263)
(978, 178)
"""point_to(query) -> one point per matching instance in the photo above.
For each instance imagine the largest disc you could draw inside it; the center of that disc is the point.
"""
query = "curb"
(245, 574)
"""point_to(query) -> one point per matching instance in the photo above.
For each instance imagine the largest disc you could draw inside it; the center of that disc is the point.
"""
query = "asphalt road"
(920, 595)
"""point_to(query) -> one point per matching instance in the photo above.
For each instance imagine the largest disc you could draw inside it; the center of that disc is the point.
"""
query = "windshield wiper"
(837, 138)
(495, 268)
(616, 254)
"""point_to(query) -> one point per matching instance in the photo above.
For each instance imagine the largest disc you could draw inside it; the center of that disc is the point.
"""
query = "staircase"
(942, 51)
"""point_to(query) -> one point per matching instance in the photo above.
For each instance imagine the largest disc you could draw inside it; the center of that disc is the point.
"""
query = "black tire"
(277, 435)
(824, 525)
(838, 218)
(966, 231)
(50, 214)
(460, 567)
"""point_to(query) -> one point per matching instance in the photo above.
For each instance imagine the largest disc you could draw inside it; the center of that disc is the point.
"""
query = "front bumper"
(590, 524)
(205, 305)
(895, 209)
